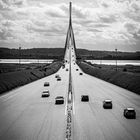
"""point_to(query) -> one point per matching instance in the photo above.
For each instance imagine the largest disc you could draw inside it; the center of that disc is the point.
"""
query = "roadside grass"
(128, 79)
(10, 80)
(12, 67)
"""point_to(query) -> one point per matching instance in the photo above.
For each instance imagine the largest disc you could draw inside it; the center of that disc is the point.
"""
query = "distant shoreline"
(58, 53)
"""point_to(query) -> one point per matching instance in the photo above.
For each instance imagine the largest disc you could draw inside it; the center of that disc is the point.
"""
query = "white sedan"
(45, 93)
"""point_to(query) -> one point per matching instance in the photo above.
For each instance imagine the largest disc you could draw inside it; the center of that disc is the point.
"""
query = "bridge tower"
(70, 45)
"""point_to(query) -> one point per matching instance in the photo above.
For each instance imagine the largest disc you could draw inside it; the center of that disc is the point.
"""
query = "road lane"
(91, 121)
(25, 115)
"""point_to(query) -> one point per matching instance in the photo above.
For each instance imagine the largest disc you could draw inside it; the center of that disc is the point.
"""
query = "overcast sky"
(97, 24)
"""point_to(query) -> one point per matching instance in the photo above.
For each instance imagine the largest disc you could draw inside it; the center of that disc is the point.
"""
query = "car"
(80, 73)
(59, 100)
(107, 104)
(59, 79)
(66, 69)
(46, 93)
(46, 84)
(76, 69)
(84, 98)
(57, 75)
(129, 113)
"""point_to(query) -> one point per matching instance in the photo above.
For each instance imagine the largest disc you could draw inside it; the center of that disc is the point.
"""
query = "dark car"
(107, 104)
(84, 98)
(76, 69)
(59, 79)
(80, 73)
(59, 100)
(45, 93)
(129, 113)
(66, 69)
(46, 84)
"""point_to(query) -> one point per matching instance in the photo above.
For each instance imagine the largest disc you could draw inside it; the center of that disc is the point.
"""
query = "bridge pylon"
(70, 39)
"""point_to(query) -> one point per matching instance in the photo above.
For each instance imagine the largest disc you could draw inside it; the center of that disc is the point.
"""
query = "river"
(106, 62)
(26, 61)
(113, 62)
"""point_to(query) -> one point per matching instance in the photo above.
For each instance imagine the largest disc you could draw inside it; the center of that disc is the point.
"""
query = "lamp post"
(19, 53)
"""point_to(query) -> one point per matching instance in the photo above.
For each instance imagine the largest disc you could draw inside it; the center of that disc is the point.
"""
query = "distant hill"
(58, 53)
(108, 55)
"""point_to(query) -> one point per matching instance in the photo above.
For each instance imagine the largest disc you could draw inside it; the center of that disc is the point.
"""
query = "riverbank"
(18, 76)
(127, 77)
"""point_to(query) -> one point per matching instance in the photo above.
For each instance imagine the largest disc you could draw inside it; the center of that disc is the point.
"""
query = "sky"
(97, 24)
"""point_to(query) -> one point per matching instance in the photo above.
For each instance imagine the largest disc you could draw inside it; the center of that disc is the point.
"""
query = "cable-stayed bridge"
(25, 115)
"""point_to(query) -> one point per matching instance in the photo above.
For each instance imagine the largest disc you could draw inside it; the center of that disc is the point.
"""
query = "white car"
(45, 93)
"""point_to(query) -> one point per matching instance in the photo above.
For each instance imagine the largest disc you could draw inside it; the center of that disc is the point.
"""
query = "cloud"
(14, 2)
(11, 4)
(108, 19)
(105, 5)
(55, 12)
(133, 29)
(79, 12)
(100, 25)
(3, 6)
(94, 22)
(5, 34)
(51, 30)
(93, 30)
(133, 11)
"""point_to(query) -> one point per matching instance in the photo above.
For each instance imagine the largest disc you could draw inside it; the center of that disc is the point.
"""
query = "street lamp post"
(19, 54)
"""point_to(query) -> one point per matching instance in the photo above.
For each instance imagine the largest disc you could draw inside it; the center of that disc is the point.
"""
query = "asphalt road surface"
(92, 122)
(24, 115)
